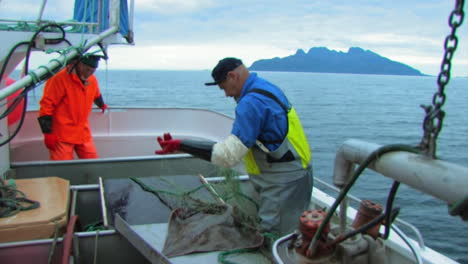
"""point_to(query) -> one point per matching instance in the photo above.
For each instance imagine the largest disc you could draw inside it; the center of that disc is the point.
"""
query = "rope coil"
(12, 200)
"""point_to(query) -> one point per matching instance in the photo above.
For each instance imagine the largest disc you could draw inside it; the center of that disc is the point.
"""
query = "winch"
(360, 244)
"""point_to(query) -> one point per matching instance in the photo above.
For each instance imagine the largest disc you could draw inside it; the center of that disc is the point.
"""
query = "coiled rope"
(12, 200)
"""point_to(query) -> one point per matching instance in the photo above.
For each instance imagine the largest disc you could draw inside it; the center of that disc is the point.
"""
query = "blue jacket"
(260, 117)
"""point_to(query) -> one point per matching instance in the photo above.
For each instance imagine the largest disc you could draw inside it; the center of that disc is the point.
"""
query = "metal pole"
(443, 180)
(41, 12)
(27, 80)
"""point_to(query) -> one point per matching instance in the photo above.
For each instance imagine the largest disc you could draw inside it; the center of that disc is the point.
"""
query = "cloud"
(194, 34)
(13, 10)
(55, 10)
(186, 57)
(169, 7)
(410, 32)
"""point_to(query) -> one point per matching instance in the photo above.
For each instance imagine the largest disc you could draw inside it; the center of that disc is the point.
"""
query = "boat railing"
(142, 121)
(22, 25)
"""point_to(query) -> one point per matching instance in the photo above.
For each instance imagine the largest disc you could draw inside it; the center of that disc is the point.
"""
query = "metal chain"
(434, 114)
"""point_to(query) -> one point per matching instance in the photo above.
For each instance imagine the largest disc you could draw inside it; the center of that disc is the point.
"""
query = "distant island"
(321, 59)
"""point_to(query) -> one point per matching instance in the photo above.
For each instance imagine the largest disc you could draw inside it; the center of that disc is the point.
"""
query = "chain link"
(433, 120)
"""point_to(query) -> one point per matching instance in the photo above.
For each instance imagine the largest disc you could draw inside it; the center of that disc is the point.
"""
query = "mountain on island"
(321, 59)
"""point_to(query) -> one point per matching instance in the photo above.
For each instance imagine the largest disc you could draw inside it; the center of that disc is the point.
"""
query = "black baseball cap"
(221, 70)
(91, 60)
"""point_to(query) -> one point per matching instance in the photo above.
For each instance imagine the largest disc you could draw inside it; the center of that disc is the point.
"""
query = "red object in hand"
(103, 108)
(50, 141)
(168, 145)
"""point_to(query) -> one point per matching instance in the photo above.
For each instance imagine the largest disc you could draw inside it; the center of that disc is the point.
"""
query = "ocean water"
(333, 108)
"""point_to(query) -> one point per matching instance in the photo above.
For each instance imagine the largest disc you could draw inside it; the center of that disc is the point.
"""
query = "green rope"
(222, 257)
(269, 239)
(155, 191)
(231, 187)
(94, 226)
(12, 200)
(59, 62)
(12, 182)
(74, 28)
(26, 26)
(184, 197)
(61, 51)
(185, 200)
(241, 195)
(34, 77)
(47, 69)
(227, 197)
(231, 191)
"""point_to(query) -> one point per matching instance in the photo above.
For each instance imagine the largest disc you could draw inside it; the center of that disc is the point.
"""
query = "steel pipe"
(443, 180)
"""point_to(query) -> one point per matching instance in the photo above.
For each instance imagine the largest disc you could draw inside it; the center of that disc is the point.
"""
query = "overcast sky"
(195, 34)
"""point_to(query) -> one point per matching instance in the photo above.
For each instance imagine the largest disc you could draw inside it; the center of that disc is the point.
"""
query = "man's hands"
(168, 145)
(103, 108)
(99, 102)
(50, 141)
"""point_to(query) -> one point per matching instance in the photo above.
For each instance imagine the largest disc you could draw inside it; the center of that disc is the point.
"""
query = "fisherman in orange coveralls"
(65, 107)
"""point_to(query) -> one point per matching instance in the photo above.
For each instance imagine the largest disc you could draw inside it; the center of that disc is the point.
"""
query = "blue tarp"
(87, 11)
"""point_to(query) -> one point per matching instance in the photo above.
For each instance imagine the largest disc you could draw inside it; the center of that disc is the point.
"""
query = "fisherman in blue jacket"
(267, 134)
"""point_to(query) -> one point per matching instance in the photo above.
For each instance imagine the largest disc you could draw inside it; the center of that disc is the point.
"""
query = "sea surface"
(333, 108)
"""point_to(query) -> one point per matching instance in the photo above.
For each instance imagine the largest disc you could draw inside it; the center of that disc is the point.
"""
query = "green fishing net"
(216, 216)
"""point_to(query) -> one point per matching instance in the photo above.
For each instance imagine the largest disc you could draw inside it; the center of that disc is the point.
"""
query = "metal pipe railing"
(53, 64)
(434, 177)
(63, 23)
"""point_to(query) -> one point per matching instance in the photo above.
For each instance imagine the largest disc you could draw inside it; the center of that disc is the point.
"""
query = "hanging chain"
(434, 114)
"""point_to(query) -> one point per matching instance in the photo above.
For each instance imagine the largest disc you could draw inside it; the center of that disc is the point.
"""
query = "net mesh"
(209, 216)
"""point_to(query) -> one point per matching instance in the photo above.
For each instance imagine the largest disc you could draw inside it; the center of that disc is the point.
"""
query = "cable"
(410, 245)
(23, 114)
(365, 227)
(389, 218)
(373, 156)
(8, 57)
(31, 42)
(37, 81)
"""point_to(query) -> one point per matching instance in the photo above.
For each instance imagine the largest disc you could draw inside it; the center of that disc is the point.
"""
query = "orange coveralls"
(70, 102)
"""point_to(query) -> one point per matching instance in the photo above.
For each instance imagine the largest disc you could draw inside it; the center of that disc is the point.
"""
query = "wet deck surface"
(137, 206)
